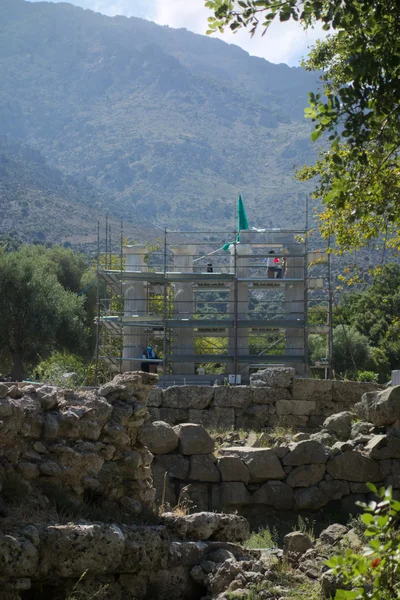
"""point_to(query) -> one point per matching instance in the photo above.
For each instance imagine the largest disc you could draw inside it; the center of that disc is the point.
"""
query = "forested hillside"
(163, 121)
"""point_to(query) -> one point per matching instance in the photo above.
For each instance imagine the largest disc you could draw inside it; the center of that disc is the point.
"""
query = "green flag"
(242, 222)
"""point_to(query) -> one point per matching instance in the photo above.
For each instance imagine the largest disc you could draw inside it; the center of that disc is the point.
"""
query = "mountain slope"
(166, 122)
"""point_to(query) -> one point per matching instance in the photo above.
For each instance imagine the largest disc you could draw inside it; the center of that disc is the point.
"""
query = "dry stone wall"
(274, 397)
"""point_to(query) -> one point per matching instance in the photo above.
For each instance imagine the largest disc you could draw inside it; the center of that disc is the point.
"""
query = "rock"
(319, 390)
(306, 453)
(50, 468)
(326, 438)
(360, 428)
(277, 377)
(233, 493)
(225, 574)
(14, 392)
(348, 393)
(295, 407)
(220, 556)
(329, 584)
(202, 468)
(353, 466)
(301, 436)
(28, 470)
(176, 524)
(311, 498)
(146, 549)
(382, 447)
(335, 489)
(380, 408)
(174, 416)
(188, 396)
(268, 395)
(232, 468)
(232, 528)
(306, 475)
(296, 542)
(96, 548)
(232, 397)
(263, 464)
(193, 439)
(201, 525)
(253, 417)
(332, 534)
(18, 557)
(6, 407)
(276, 494)
(213, 419)
(155, 397)
(3, 390)
(159, 437)
(339, 424)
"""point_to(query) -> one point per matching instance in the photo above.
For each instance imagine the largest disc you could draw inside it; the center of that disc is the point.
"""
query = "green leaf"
(316, 134)
(367, 519)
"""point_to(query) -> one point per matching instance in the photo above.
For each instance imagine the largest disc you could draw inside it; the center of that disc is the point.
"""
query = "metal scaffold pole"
(306, 368)
(235, 308)
(96, 372)
(331, 372)
(122, 308)
(165, 312)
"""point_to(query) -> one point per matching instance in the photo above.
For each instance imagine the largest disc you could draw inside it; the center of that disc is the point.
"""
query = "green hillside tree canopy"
(37, 314)
(358, 172)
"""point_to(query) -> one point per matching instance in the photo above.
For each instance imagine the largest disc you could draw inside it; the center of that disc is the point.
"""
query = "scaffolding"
(210, 313)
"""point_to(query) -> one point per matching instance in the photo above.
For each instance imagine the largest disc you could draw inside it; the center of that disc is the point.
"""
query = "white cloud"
(284, 42)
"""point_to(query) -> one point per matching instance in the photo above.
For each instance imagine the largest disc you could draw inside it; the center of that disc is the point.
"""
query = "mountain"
(38, 203)
(165, 123)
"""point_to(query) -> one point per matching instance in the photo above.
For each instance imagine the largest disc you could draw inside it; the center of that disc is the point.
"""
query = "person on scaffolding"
(274, 265)
(148, 367)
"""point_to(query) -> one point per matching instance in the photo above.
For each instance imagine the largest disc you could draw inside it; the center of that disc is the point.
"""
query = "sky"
(284, 42)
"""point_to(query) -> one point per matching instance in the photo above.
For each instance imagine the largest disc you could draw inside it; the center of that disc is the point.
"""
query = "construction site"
(207, 313)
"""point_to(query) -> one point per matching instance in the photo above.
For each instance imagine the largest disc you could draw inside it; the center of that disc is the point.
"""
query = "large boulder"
(308, 452)
(193, 439)
(188, 396)
(382, 447)
(3, 390)
(333, 534)
(263, 464)
(311, 498)
(296, 542)
(353, 466)
(274, 493)
(380, 408)
(306, 475)
(232, 468)
(280, 377)
(203, 468)
(159, 437)
(339, 424)
(18, 557)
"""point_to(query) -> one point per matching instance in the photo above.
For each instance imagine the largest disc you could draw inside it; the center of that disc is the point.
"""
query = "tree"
(358, 173)
(351, 350)
(37, 314)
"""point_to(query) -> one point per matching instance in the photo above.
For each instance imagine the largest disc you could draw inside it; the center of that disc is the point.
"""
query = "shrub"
(264, 538)
(53, 368)
(374, 574)
(368, 376)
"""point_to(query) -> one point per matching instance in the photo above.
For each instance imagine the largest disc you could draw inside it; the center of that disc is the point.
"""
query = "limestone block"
(279, 377)
(253, 417)
(339, 424)
(382, 447)
(72, 549)
(319, 390)
(194, 439)
(233, 493)
(133, 587)
(394, 477)
(18, 556)
(306, 475)
(307, 452)
(201, 525)
(232, 397)
(176, 465)
(188, 396)
(3, 390)
(380, 408)
(333, 534)
(348, 393)
(353, 466)
(232, 528)
(154, 414)
(296, 542)
(155, 397)
(146, 549)
(187, 553)
(173, 416)
(158, 437)
(295, 407)
(232, 468)
(359, 488)
(269, 395)
(276, 494)
(196, 496)
(335, 489)
(263, 464)
(15, 392)
(202, 468)
(293, 420)
(213, 419)
(360, 428)
(311, 498)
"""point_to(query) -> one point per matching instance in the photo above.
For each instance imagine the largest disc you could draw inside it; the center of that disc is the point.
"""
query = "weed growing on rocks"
(264, 538)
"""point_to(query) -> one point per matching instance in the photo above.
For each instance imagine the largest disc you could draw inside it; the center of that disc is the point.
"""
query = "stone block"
(263, 464)
(312, 389)
(296, 542)
(214, 419)
(176, 465)
(196, 495)
(295, 407)
(274, 493)
(18, 556)
(253, 418)
(307, 452)
(194, 439)
(311, 498)
(203, 468)
(339, 424)
(174, 416)
(158, 437)
(296, 421)
(3, 390)
(380, 408)
(382, 447)
(306, 475)
(316, 421)
(335, 489)
(269, 395)
(232, 397)
(355, 467)
(233, 493)
(155, 398)
(188, 396)
(278, 377)
(146, 549)
(232, 468)
(348, 393)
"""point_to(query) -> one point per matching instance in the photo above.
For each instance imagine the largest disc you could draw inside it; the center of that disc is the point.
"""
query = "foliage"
(368, 376)
(374, 574)
(263, 538)
(305, 525)
(37, 314)
(358, 172)
(52, 369)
